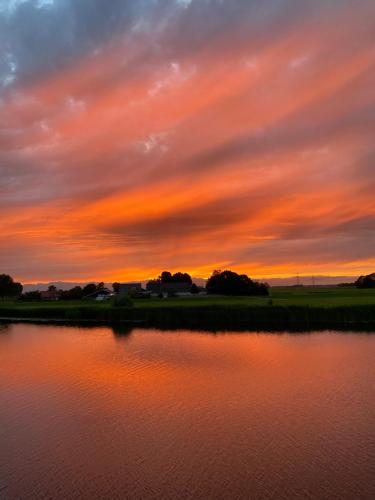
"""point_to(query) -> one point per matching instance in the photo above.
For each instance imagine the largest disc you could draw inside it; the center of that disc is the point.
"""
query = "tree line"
(75, 293)
(220, 283)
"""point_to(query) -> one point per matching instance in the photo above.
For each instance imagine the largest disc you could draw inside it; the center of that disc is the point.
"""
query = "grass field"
(286, 307)
(322, 296)
(280, 296)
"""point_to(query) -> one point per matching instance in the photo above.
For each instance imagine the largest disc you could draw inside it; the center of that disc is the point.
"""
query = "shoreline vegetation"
(286, 308)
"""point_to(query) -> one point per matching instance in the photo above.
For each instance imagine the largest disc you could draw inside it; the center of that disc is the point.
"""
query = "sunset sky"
(193, 135)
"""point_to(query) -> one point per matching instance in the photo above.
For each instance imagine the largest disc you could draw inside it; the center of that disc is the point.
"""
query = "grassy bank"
(286, 308)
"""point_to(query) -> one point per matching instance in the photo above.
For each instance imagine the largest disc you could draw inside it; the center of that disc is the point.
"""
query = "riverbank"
(294, 318)
(286, 308)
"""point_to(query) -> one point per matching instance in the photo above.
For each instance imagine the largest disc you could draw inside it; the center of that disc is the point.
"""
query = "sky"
(143, 135)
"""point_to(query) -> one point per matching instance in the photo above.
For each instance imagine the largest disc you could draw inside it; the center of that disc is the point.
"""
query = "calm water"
(90, 413)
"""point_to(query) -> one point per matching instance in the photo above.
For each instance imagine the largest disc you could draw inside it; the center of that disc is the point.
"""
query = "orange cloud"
(255, 156)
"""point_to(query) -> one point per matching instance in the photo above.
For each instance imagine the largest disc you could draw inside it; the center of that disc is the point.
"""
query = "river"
(97, 413)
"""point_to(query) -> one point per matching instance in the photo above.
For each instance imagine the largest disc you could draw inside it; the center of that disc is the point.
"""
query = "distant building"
(126, 288)
(103, 296)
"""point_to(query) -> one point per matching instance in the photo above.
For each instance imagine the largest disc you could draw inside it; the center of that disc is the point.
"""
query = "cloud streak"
(192, 135)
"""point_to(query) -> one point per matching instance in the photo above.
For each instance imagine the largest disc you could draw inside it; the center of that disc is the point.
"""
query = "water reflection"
(121, 332)
(122, 413)
(5, 330)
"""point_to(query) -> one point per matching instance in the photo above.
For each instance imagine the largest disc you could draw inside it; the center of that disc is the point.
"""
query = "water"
(93, 413)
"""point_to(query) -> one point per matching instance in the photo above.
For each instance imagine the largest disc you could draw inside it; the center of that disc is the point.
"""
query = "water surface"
(94, 413)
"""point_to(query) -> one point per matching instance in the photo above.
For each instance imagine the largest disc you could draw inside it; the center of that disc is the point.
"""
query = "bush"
(123, 301)
(31, 296)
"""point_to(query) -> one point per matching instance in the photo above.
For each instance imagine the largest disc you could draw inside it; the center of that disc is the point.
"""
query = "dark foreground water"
(93, 413)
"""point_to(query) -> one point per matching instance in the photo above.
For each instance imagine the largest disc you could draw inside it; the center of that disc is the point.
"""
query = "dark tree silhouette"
(194, 289)
(231, 283)
(366, 281)
(75, 293)
(89, 289)
(181, 278)
(165, 277)
(8, 287)
(31, 296)
(116, 287)
(153, 286)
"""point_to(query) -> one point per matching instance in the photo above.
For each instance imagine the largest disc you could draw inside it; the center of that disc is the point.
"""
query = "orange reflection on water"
(96, 412)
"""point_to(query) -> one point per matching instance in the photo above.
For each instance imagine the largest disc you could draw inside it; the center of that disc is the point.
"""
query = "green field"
(280, 296)
(286, 307)
(322, 296)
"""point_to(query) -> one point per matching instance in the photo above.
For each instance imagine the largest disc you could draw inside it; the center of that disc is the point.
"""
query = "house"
(103, 296)
(50, 295)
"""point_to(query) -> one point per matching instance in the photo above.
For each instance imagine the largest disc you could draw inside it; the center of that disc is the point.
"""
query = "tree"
(165, 277)
(153, 286)
(230, 283)
(366, 281)
(194, 289)
(75, 293)
(116, 287)
(181, 278)
(8, 287)
(31, 296)
(89, 289)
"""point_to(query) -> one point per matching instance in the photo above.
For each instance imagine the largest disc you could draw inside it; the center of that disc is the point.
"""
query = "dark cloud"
(250, 107)
(38, 37)
(297, 131)
(201, 219)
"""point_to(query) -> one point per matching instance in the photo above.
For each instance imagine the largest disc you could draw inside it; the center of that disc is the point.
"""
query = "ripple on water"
(86, 413)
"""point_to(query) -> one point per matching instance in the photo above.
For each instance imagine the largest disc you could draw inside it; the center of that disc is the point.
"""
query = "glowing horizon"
(186, 135)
